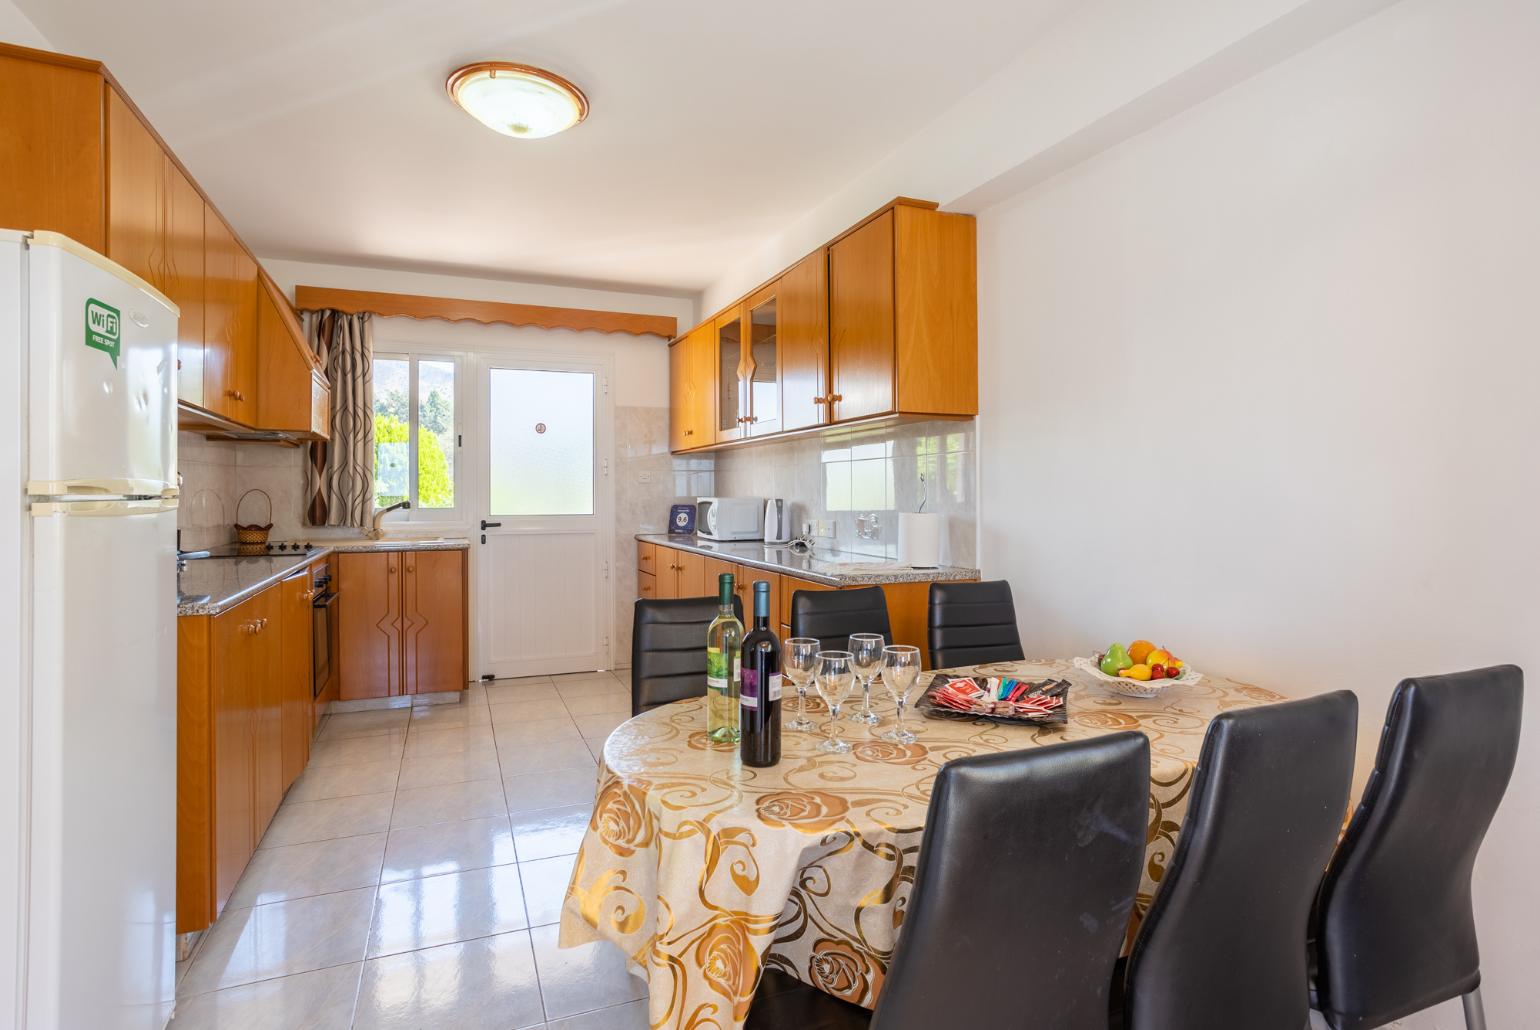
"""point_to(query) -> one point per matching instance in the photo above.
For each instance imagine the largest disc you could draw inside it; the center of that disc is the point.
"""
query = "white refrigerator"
(88, 617)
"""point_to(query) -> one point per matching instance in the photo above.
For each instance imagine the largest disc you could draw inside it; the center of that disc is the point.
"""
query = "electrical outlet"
(644, 476)
(824, 528)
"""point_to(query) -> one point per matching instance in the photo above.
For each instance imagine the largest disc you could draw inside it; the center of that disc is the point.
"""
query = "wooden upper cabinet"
(155, 230)
(136, 192)
(727, 356)
(52, 164)
(761, 364)
(692, 386)
(681, 395)
(433, 621)
(369, 624)
(292, 392)
(882, 323)
(703, 401)
(861, 312)
(230, 334)
(182, 266)
(803, 302)
(936, 323)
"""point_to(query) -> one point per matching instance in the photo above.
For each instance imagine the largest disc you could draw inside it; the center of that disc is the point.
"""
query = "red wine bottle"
(759, 700)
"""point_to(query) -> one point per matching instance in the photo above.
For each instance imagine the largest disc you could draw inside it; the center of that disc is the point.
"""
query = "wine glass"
(799, 656)
(834, 680)
(900, 670)
(866, 652)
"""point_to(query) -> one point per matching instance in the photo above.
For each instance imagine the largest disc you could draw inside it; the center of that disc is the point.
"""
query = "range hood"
(217, 427)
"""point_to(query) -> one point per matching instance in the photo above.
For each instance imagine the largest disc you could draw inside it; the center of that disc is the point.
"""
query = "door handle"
(489, 525)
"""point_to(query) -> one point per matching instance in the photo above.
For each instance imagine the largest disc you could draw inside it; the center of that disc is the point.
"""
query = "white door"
(544, 536)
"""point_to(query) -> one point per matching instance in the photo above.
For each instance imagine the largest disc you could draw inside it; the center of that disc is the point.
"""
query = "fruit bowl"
(1135, 688)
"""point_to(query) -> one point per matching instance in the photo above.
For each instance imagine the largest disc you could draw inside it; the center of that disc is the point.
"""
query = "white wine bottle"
(724, 669)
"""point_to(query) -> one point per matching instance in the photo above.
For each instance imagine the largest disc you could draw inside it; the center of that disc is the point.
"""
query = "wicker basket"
(253, 535)
(1136, 688)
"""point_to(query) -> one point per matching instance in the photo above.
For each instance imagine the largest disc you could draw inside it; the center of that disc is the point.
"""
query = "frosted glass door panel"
(542, 442)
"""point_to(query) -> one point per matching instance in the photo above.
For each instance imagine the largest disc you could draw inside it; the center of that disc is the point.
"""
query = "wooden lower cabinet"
(667, 572)
(298, 676)
(243, 734)
(433, 624)
(240, 757)
(369, 624)
(908, 603)
(401, 623)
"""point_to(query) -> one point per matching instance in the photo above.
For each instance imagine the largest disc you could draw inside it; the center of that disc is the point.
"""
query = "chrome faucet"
(375, 532)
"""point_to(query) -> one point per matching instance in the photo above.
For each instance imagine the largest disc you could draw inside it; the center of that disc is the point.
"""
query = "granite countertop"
(209, 586)
(436, 543)
(829, 567)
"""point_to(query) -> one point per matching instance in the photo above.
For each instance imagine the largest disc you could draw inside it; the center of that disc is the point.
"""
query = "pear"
(1116, 660)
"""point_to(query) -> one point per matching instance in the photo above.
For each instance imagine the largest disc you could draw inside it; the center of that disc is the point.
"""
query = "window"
(542, 459)
(416, 433)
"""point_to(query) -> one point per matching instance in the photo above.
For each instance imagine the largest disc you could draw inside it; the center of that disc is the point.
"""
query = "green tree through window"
(434, 431)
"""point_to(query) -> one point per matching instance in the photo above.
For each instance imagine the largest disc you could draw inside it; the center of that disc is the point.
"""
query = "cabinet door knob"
(820, 400)
(391, 569)
(836, 397)
(411, 568)
(235, 395)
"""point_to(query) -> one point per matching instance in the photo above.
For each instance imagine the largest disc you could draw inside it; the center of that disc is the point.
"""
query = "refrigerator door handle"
(100, 487)
(105, 509)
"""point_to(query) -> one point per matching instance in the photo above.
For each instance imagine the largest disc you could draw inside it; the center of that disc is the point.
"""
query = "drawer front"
(647, 558)
(646, 585)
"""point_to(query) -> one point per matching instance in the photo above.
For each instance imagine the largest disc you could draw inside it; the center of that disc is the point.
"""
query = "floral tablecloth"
(704, 870)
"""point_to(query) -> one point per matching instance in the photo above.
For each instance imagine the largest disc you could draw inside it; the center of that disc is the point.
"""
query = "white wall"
(16, 27)
(1105, 71)
(1278, 359)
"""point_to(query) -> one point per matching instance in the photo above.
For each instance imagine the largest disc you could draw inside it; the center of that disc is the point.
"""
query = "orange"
(1139, 650)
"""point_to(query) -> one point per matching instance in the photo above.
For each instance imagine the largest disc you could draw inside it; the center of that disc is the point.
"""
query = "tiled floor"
(414, 876)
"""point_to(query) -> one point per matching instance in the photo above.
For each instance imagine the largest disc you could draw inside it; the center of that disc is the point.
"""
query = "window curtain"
(340, 476)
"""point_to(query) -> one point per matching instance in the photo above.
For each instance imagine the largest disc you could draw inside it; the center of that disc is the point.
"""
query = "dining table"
(706, 871)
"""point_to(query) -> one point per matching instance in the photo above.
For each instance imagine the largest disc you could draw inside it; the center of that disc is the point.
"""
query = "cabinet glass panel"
(729, 386)
(542, 442)
(764, 379)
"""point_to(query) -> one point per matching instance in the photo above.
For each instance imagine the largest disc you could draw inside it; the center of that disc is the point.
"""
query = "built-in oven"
(323, 601)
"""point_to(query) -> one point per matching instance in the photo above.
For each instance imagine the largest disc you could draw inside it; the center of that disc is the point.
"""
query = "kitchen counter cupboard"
(77, 157)
(688, 567)
(244, 725)
(878, 325)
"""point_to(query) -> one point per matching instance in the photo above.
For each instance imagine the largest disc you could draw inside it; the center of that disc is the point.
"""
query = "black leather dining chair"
(831, 616)
(972, 623)
(668, 649)
(1223, 944)
(1394, 931)
(1023, 889)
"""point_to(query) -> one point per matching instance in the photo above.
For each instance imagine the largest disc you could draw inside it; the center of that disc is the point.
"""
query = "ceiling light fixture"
(517, 100)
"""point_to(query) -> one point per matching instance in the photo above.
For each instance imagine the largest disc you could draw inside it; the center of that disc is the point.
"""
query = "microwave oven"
(730, 518)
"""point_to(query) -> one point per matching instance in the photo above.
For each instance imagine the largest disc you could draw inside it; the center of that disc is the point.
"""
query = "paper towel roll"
(919, 539)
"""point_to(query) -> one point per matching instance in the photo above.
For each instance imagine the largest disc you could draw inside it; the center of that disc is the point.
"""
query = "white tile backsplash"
(840, 476)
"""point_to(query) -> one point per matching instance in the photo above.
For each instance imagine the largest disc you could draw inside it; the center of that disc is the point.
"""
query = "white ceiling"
(322, 130)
